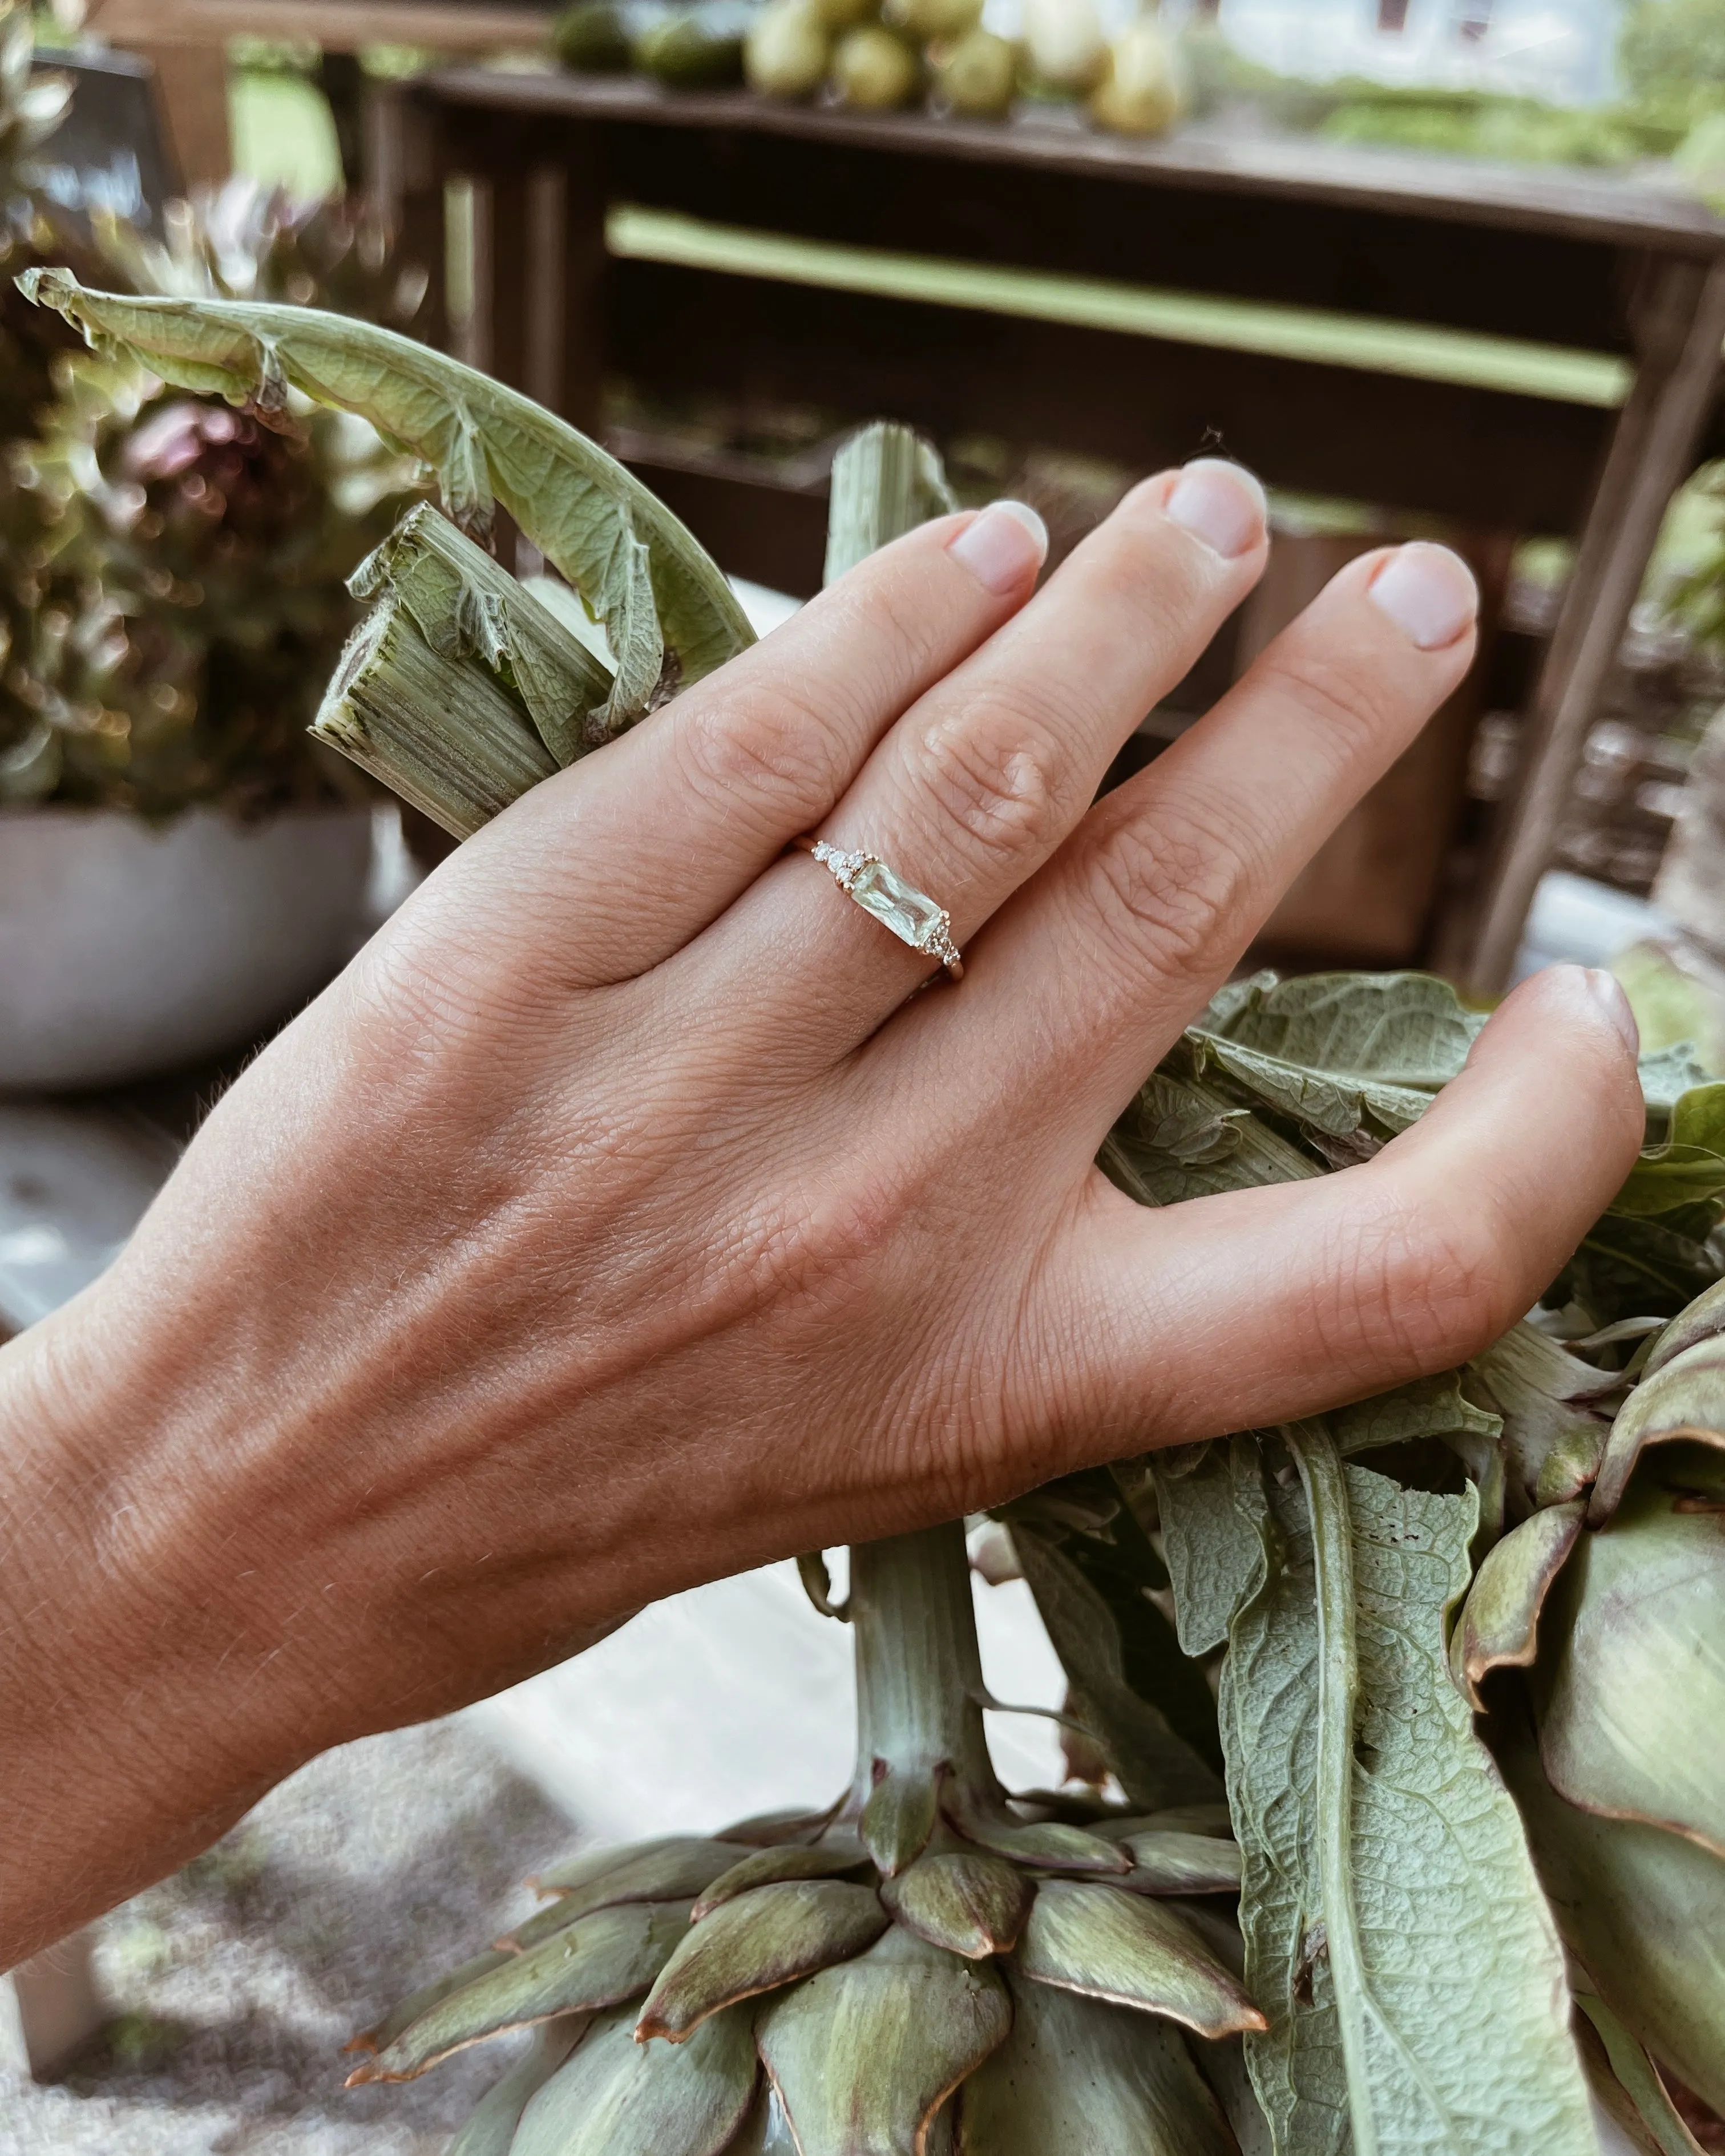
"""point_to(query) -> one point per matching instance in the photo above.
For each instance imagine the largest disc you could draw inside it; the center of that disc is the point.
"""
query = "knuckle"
(994, 779)
(1172, 887)
(1350, 708)
(1427, 1282)
(766, 755)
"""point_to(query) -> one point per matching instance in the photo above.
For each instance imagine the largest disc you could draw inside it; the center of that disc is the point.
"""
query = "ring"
(911, 914)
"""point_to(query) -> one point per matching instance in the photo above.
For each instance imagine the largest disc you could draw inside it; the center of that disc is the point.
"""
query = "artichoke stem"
(919, 1672)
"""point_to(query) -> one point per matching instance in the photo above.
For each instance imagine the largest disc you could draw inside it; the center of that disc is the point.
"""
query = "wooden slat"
(1209, 158)
(1515, 462)
(1651, 452)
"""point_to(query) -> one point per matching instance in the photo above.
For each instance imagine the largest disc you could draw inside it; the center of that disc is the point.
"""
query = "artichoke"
(1616, 1744)
(929, 1965)
(177, 569)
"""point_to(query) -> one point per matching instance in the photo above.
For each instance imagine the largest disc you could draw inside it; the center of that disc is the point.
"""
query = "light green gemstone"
(911, 914)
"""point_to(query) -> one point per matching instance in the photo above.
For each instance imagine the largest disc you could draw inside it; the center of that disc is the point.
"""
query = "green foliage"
(1671, 56)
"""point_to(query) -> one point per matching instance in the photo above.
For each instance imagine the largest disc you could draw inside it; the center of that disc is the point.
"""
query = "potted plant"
(178, 863)
(1402, 1824)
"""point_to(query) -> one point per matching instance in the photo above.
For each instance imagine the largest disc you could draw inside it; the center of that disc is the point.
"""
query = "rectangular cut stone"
(911, 916)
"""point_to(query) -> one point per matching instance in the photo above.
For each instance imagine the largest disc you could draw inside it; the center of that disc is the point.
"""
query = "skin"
(621, 1217)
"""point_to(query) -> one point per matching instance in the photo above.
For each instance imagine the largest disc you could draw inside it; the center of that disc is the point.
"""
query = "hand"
(623, 1216)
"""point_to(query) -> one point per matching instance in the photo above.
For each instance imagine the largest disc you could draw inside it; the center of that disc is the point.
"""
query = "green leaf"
(1395, 1934)
(1181, 1138)
(1683, 1399)
(765, 1939)
(617, 2097)
(420, 2002)
(865, 2055)
(1669, 1073)
(1636, 2075)
(766, 2132)
(1425, 1407)
(1643, 1912)
(1335, 1050)
(670, 1871)
(1688, 1167)
(899, 1816)
(766, 1867)
(970, 1903)
(1078, 2078)
(1213, 1518)
(609, 1956)
(886, 480)
(572, 500)
(1150, 1708)
(1132, 1951)
(1641, 1268)
(466, 605)
(491, 2130)
(1629, 1690)
(1555, 1421)
(1499, 1626)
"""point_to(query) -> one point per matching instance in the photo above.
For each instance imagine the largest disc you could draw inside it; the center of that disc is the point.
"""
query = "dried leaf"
(1499, 1626)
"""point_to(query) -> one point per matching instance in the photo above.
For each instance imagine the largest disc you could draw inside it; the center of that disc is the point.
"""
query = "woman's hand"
(623, 1216)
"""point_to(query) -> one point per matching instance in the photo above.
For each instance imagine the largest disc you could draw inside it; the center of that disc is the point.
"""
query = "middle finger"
(983, 778)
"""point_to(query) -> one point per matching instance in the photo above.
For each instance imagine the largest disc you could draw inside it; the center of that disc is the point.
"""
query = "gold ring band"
(912, 915)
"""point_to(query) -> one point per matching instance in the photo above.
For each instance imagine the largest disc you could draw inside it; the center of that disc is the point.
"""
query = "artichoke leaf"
(1630, 1689)
(1077, 2075)
(899, 1817)
(865, 2055)
(1682, 1399)
(657, 1872)
(1643, 1912)
(569, 497)
(970, 1903)
(1553, 1406)
(617, 2097)
(609, 1956)
(1168, 1145)
(576, 1874)
(465, 603)
(1499, 1626)
(766, 1867)
(1130, 1951)
(1443, 1960)
(1171, 1862)
(1427, 1407)
(777, 1830)
(1631, 2076)
(429, 1995)
(491, 2130)
(761, 1940)
(983, 1819)
(766, 2132)
(886, 480)
(1667, 1074)
(1703, 1319)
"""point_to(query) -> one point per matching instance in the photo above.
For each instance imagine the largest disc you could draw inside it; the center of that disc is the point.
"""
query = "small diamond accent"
(912, 915)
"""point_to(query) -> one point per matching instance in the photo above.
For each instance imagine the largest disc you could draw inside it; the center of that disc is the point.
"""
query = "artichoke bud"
(933, 1966)
(1616, 1604)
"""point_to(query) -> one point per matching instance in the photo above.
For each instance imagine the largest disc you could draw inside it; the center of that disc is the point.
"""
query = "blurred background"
(1445, 267)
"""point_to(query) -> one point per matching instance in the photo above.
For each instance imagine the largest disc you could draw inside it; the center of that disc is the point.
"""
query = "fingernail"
(1428, 592)
(1221, 504)
(1607, 992)
(1006, 545)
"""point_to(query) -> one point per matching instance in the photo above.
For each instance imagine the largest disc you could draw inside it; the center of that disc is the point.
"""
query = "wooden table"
(1622, 271)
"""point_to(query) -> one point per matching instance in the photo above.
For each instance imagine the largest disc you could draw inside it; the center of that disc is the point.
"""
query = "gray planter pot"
(127, 948)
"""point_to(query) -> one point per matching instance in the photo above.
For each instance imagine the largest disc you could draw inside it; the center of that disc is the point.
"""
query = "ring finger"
(988, 771)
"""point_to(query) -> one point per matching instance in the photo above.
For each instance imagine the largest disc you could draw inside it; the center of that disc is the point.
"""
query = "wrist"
(138, 1725)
